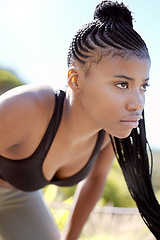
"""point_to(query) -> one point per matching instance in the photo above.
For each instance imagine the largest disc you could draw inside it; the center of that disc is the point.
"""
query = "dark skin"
(26, 111)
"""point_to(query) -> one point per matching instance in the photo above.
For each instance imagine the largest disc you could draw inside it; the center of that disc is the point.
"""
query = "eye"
(144, 87)
(122, 85)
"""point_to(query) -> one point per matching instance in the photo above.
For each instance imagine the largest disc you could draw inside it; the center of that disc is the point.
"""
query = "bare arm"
(88, 193)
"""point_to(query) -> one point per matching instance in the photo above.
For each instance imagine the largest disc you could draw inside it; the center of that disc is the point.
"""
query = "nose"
(136, 101)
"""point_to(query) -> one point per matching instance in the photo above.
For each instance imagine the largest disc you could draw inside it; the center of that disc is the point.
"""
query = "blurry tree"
(8, 80)
(116, 192)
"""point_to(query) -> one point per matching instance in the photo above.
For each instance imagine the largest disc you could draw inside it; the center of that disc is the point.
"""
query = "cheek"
(103, 103)
(101, 100)
(112, 102)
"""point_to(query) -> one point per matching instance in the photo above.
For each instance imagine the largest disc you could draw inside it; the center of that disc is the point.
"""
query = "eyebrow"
(128, 78)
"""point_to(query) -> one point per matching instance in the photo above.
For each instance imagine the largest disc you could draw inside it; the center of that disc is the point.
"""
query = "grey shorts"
(24, 216)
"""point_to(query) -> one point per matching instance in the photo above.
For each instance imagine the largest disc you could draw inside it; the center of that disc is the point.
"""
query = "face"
(113, 93)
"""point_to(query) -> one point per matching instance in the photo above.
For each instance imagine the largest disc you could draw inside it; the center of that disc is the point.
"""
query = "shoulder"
(25, 110)
(27, 99)
(26, 94)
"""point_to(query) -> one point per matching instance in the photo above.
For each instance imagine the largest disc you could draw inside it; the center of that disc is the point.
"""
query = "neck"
(75, 120)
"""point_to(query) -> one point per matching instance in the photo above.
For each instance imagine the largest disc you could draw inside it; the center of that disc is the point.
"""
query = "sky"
(35, 36)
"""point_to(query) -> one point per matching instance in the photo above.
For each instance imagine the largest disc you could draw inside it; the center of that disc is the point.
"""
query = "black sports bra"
(27, 174)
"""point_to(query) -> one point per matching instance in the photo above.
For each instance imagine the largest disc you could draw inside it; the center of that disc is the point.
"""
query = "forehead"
(132, 65)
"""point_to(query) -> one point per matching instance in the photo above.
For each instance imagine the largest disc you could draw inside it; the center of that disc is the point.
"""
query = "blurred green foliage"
(116, 191)
(8, 80)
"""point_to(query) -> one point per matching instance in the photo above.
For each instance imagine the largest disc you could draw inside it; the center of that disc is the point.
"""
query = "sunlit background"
(35, 35)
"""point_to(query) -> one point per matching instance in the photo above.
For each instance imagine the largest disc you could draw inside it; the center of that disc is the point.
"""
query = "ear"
(73, 78)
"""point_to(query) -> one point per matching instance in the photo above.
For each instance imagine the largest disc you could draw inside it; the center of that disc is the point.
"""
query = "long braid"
(132, 156)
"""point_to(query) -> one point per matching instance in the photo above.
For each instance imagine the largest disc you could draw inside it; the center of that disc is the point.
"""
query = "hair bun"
(112, 10)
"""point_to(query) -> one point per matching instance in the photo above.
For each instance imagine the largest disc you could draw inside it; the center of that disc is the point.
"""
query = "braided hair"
(111, 34)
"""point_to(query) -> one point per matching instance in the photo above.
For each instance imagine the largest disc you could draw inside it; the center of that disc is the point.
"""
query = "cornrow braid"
(84, 34)
(80, 39)
(135, 38)
(111, 32)
(120, 36)
(93, 37)
(102, 34)
(76, 48)
(115, 35)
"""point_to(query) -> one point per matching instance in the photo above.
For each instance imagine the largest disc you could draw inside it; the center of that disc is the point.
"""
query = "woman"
(61, 137)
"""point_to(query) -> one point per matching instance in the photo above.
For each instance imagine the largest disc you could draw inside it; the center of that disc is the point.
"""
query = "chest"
(34, 172)
(65, 158)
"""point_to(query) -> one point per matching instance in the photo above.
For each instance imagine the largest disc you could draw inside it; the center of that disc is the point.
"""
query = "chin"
(122, 135)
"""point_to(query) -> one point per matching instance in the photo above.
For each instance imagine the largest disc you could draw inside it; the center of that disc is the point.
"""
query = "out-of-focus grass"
(113, 227)
(110, 236)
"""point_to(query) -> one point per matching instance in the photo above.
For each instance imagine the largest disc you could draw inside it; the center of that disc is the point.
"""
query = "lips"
(131, 121)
